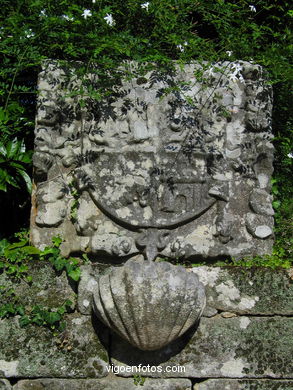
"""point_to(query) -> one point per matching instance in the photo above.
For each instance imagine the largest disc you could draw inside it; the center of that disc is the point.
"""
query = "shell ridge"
(126, 332)
(99, 308)
(192, 313)
(107, 317)
(172, 336)
(146, 310)
(139, 342)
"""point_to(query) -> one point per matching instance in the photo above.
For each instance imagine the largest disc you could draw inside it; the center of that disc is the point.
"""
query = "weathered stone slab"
(232, 384)
(170, 163)
(5, 385)
(110, 383)
(34, 352)
(247, 290)
(240, 347)
(47, 289)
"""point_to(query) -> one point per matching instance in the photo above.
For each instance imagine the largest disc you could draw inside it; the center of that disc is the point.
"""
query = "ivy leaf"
(75, 274)
(57, 241)
(52, 317)
(24, 321)
(59, 263)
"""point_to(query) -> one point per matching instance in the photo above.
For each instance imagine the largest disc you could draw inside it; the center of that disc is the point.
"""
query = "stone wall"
(243, 341)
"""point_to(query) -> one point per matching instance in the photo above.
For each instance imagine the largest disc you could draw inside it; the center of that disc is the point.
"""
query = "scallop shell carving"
(149, 304)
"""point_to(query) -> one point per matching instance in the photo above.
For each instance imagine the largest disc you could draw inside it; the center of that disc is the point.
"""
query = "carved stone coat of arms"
(171, 164)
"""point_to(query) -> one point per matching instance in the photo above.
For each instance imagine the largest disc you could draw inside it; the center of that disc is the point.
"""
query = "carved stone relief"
(167, 165)
(149, 304)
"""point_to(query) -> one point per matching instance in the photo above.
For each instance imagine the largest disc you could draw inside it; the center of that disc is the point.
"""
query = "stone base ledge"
(244, 384)
(110, 383)
(114, 383)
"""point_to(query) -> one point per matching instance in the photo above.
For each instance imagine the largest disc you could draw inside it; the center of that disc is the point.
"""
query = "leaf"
(49, 251)
(61, 310)
(12, 181)
(12, 148)
(52, 317)
(3, 186)
(20, 310)
(24, 321)
(3, 245)
(3, 117)
(68, 302)
(75, 274)
(30, 250)
(29, 279)
(26, 157)
(276, 204)
(26, 178)
(19, 244)
(59, 263)
(57, 241)
(3, 150)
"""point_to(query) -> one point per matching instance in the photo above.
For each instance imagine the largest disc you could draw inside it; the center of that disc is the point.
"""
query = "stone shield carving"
(167, 164)
(149, 304)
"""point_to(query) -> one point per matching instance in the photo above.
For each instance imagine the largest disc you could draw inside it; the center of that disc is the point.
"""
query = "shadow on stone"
(120, 350)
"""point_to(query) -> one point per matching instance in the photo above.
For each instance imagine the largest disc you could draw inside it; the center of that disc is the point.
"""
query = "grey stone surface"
(34, 352)
(5, 385)
(247, 290)
(259, 226)
(261, 202)
(46, 289)
(88, 282)
(110, 383)
(149, 304)
(244, 384)
(180, 174)
(239, 347)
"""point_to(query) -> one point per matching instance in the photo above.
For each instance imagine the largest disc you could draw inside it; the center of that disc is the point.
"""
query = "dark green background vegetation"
(166, 30)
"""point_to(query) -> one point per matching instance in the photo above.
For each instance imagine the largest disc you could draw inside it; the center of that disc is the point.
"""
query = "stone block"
(247, 290)
(239, 347)
(110, 383)
(47, 288)
(32, 352)
(244, 384)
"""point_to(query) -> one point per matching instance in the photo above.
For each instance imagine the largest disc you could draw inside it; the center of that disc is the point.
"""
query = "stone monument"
(171, 164)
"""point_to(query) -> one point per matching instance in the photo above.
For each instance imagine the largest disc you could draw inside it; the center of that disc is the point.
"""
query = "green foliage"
(13, 161)
(49, 318)
(138, 380)
(10, 305)
(277, 259)
(14, 257)
(60, 263)
(75, 203)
